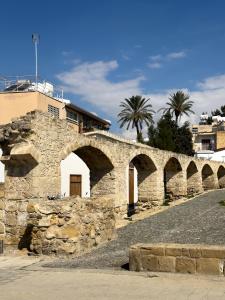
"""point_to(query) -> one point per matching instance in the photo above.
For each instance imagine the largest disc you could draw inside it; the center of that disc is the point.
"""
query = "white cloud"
(176, 55)
(212, 83)
(156, 57)
(154, 65)
(157, 61)
(89, 80)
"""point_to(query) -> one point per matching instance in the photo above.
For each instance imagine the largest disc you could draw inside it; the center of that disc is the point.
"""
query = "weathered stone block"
(195, 252)
(2, 228)
(166, 263)
(10, 219)
(135, 263)
(173, 250)
(31, 208)
(68, 232)
(150, 263)
(211, 266)
(185, 265)
(2, 204)
(213, 252)
(153, 250)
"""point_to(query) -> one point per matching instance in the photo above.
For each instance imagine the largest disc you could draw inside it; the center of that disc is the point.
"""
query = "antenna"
(35, 39)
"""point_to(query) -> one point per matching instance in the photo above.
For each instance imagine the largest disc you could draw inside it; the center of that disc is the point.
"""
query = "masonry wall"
(180, 258)
(35, 145)
(69, 227)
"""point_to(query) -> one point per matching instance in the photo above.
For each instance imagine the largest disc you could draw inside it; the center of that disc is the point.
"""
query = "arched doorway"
(142, 182)
(208, 180)
(194, 184)
(221, 177)
(174, 183)
(98, 170)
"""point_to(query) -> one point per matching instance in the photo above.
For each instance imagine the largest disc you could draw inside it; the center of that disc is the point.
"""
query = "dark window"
(194, 130)
(71, 115)
(206, 144)
(53, 111)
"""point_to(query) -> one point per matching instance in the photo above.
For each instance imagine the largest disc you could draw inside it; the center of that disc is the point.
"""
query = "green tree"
(162, 136)
(135, 112)
(167, 135)
(179, 104)
(183, 140)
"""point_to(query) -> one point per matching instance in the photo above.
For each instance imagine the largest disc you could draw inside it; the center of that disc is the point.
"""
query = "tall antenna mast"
(35, 39)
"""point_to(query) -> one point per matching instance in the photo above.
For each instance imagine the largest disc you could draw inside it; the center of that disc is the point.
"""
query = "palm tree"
(136, 111)
(179, 104)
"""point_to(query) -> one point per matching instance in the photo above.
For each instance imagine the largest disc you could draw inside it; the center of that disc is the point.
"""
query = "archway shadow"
(25, 241)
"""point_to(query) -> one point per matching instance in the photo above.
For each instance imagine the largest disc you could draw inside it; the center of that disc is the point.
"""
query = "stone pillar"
(150, 188)
(194, 180)
(175, 183)
(221, 177)
(209, 178)
(121, 190)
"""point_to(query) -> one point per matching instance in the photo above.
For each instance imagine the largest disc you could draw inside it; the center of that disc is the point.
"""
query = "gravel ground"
(200, 220)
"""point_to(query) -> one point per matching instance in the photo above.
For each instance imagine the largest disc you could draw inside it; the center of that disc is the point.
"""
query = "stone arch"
(208, 178)
(221, 176)
(174, 181)
(101, 169)
(146, 179)
(194, 184)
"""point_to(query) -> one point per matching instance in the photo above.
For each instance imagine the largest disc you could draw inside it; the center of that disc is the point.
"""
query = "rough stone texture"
(34, 145)
(198, 221)
(2, 211)
(70, 226)
(178, 258)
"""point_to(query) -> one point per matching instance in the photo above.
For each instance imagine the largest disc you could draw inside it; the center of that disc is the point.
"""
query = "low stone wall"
(70, 226)
(203, 259)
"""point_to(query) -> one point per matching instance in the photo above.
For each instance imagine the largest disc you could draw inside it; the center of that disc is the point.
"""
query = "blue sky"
(103, 51)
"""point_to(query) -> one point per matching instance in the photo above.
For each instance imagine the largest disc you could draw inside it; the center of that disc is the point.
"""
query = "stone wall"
(2, 211)
(34, 145)
(69, 227)
(203, 259)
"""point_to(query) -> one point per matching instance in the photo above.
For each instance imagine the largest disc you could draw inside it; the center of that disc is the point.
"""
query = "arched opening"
(87, 172)
(193, 179)
(208, 180)
(174, 183)
(221, 177)
(142, 182)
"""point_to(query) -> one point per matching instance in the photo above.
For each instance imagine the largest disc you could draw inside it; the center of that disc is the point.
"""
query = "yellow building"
(208, 137)
(22, 97)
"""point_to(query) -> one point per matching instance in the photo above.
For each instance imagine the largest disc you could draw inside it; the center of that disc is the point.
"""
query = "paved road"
(79, 284)
(200, 220)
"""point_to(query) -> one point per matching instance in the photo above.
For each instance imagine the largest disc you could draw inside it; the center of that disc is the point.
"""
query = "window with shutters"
(53, 111)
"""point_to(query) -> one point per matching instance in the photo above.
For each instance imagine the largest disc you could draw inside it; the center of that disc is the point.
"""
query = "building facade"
(209, 140)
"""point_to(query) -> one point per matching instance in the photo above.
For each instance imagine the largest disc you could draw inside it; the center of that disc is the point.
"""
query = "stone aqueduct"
(34, 145)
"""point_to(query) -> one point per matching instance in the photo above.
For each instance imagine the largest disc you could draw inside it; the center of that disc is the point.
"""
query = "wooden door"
(131, 185)
(75, 185)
